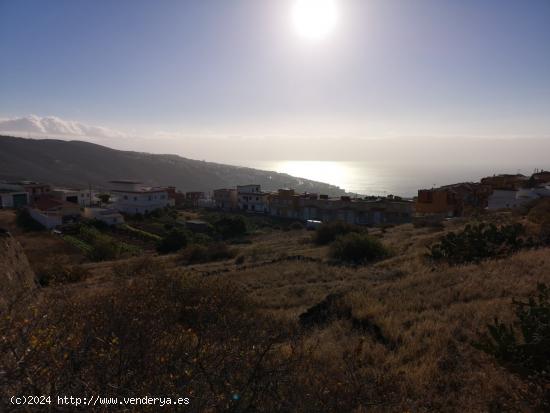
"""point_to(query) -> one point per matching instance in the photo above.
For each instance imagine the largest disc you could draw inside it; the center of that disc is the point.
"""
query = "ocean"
(368, 178)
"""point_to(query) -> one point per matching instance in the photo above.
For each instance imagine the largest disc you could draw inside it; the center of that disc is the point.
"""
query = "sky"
(204, 77)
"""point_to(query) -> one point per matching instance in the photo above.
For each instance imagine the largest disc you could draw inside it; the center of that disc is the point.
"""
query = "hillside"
(76, 164)
(277, 325)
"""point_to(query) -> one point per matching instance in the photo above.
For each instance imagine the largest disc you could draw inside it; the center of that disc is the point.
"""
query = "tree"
(104, 198)
(175, 240)
(230, 227)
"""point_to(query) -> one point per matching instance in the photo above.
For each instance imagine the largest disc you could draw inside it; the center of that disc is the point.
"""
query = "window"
(126, 197)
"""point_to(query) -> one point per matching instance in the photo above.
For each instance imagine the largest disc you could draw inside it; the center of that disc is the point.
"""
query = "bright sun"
(314, 19)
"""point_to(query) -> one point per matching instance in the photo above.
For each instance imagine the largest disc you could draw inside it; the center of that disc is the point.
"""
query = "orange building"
(453, 200)
(226, 198)
(436, 201)
(285, 203)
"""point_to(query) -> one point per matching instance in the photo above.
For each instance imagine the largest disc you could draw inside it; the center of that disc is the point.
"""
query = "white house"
(88, 197)
(48, 219)
(132, 197)
(82, 197)
(506, 199)
(108, 216)
(250, 198)
(52, 212)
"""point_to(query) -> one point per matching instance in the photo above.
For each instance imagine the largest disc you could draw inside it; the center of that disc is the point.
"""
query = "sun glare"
(314, 19)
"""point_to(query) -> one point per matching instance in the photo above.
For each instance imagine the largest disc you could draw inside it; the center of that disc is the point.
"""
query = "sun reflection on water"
(353, 177)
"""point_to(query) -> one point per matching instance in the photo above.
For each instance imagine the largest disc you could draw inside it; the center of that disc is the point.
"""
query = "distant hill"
(78, 164)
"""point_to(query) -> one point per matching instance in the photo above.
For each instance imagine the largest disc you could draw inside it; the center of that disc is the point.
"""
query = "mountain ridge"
(80, 163)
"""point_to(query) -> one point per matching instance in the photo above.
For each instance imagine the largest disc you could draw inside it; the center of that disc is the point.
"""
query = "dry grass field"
(406, 341)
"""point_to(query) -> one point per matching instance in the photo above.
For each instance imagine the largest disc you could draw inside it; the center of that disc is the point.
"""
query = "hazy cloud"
(52, 126)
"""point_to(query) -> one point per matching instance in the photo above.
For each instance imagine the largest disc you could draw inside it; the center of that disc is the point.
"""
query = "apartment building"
(132, 197)
(250, 198)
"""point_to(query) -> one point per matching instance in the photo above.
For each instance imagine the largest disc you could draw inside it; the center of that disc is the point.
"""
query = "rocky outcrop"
(17, 280)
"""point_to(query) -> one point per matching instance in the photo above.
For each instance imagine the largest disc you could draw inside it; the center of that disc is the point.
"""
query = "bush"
(478, 242)
(202, 239)
(174, 241)
(358, 249)
(230, 227)
(526, 350)
(105, 249)
(540, 212)
(196, 254)
(327, 233)
(26, 222)
(153, 337)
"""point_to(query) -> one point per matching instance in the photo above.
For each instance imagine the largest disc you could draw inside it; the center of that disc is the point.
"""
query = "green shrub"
(88, 233)
(75, 242)
(327, 233)
(202, 239)
(478, 242)
(358, 249)
(528, 349)
(96, 223)
(99, 246)
(230, 227)
(26, 222)
(195, 254)
(174, 241)
(104, 249)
